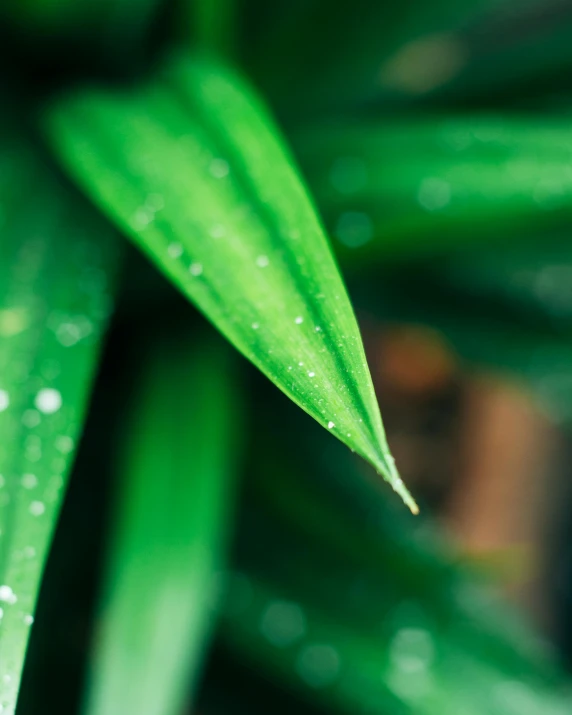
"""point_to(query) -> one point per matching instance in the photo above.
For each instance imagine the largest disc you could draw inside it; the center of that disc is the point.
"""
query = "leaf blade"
(249, 251)
(169, 533)
(57, 267)
(356, 577)
(405, 185)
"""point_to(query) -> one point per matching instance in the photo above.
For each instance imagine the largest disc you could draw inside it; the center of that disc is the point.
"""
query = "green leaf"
(484, 334)
(192, 168)
(367, 591)
(99, 21)
(214, 23)
(427, 184)
(170, 527)
(57, 267)
(388, 54)
(399, 667)
(528, 278)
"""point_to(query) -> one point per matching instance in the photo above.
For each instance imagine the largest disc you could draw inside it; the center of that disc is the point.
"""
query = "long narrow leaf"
(191, 166)
(170, 528)
(398, 667)
(57, 264)
(404, 185)
(362, 611)
(484, 334)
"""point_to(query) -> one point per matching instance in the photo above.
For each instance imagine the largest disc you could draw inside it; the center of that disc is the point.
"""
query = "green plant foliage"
(529, 278)
(170, 528)
(434, 138)
(192, 168)
(485, 333)
(114, 24)
(402, 54)
(417, 185)
(335, 665)
(347, 63)
(57, 269)
(316, 620)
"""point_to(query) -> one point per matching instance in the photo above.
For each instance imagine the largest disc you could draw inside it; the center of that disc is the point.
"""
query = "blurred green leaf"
(193, 169)
(340, 63)
(484, 333)
(215, 23)
(528, 278)
(170, 529)
(355, 606)
(502, 51)
(90, 29)
(404, 671)
(50, 14)
(57, 267)
(429, 184)
(394, 54)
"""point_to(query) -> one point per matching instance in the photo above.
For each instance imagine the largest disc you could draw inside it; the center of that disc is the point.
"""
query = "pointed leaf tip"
(190, 165)
(386, 467)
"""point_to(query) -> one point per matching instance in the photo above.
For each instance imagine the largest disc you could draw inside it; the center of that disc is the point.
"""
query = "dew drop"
(195, 269)
(155, 202)
(283, 623)
(68, 334)
(29, 481)
(311, 374)
(31, 418)
(142, 218)
(354, 229)
(262, 261)
(331, 425)
(301, 364)
(37, 508)
(255, 326)
(48, 400)
(412, 649)
(318, 665)
(175, 250)
(64, 444)
(434, 194)
(217, 231)
(299, 320)
(28, 619)
(219, 168)
(7, 595)
(4, 400)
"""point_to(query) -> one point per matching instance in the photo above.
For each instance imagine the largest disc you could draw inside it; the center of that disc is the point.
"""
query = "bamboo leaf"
(169, 534)
(404, 185)
(398, 667)
(364, 590)
(482, 332)
(386, 54)
(364, 51)
(193, 169)
(57, 263)
(113, 25)
(528, 278)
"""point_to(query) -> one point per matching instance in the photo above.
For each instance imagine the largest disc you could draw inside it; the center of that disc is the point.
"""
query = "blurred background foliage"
(436, 143)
